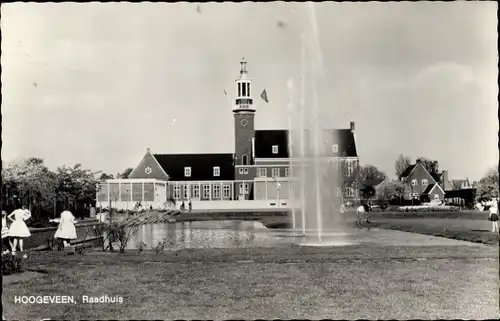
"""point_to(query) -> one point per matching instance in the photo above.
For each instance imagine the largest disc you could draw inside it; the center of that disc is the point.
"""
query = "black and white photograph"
(249, 160)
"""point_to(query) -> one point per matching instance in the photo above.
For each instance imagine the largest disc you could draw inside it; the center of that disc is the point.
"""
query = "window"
(349, 168)
(239, 89)
(414, 195)
(275, 149)
(196, 191)
(216, 193)
(185, 191)
(216, 171)
(244, 93)
(248, 89)
(436, 196)
(276, 172)
(262, 172)
(413, 182)
(287, 172)
(206, 191)
(226, 191)
(240, 170)
(244, 189)
(425, 182)
(349, 192)
(245, 171)
(187, 171)
(335, 148)
(177, 192)
(244, 160)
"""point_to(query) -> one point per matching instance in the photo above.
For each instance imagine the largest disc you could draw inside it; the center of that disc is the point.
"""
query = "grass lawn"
(343, 282)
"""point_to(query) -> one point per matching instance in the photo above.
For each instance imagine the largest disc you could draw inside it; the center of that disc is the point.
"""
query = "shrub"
(114, 233)
(11, 264)
(428, 209)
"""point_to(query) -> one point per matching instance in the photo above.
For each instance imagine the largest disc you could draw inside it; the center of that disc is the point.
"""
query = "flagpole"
(290, 152)
(302, 140)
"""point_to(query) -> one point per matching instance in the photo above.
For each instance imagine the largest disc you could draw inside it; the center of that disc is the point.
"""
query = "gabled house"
(460, 184)
(368, 189)
(421, 184)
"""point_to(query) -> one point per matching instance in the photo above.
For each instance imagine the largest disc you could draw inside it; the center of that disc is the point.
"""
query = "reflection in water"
(210, 234)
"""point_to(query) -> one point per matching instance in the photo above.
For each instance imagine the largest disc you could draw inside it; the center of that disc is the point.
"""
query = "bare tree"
(402, 164)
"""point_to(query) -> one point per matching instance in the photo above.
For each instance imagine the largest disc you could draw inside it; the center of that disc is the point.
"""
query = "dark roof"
(429, 188)
(408, 170)
(345, 140)
(266, 139)
(201, 166)
(371, 182)
(437, 176)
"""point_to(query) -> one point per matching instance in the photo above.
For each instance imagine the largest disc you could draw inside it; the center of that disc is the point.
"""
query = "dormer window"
(425, 182)
(275, 149)
(187, 171)
(216, 171)
(335, 148)
(413, 182)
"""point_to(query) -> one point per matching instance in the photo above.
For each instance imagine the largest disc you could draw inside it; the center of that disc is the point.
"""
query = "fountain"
(315, 179)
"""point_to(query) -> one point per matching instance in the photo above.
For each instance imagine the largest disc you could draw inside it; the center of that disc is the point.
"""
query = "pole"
(302, 140)
(290, 152)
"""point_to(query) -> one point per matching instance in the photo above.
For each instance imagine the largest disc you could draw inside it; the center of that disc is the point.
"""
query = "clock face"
(148, 170)
(244, 122)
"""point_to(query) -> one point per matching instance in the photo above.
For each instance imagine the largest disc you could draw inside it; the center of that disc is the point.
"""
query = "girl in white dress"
(18, 229)
(493, 217)
(6, 242)
(66, 230)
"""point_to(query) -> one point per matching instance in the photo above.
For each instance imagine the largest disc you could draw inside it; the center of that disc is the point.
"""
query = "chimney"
(352, 126)
(148, 150)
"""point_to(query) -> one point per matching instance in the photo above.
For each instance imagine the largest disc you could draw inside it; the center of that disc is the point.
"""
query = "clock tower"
(244, 115)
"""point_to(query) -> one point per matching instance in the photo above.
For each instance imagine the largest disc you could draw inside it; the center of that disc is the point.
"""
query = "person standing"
(92, 212)
(6, 242)
(342, 211)
(190, 205)
(18, 229)
(493, 217)
(66, 230)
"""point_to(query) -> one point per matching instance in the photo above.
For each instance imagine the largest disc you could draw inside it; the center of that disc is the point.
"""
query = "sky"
(98, 83)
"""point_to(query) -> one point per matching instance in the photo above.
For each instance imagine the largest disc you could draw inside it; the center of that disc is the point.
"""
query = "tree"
(125, 173)
(369, 172)
(402, 164)
(432, 166)
(105, 176)
(76, 184)
(488, 185)
(394, 190)
(30, 182)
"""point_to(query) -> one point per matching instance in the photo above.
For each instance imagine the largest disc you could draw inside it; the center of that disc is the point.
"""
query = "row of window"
(262, 172)
(414, 182)
(275, 172)
(187, 171)
(214, 192)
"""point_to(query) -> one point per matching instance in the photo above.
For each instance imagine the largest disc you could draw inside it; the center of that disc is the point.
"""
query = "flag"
(264, 96)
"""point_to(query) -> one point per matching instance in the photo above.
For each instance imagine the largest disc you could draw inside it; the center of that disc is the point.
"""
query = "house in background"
(421, 184)
(369, 189)
(460, 184)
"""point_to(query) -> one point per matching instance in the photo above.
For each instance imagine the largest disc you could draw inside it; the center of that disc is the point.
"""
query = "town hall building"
(257, 170)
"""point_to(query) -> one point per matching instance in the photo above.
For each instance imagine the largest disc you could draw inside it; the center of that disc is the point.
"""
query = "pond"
(218, 234)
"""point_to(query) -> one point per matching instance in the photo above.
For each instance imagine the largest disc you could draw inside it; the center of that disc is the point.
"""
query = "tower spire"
(243, 70)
